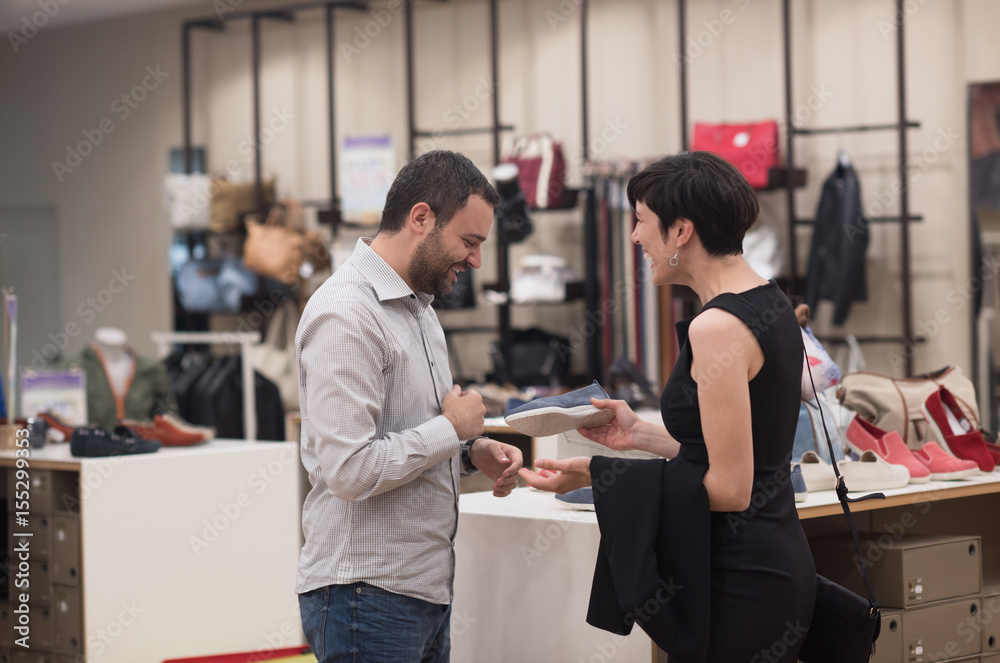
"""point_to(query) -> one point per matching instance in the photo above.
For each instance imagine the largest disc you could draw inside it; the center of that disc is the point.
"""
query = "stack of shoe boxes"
(990, 620)
(55, 600)
(934, 607)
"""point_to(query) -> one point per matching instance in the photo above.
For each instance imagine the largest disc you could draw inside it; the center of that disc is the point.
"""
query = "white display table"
(522, 584)
(184, 552)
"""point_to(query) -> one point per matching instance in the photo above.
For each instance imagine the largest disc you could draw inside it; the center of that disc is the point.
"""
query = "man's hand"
(499, 461)
(465, 411)
(559, 476)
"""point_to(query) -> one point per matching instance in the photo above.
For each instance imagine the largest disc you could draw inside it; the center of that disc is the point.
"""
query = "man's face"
(453, 248)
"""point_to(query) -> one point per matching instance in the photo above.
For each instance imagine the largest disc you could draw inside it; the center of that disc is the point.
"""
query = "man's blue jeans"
(360, 623)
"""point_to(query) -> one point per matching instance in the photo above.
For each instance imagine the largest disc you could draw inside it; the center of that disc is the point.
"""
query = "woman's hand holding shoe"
(620, 433)
(627, 432)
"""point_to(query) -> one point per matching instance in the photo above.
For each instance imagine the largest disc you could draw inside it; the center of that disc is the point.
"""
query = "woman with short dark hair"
(718, 521)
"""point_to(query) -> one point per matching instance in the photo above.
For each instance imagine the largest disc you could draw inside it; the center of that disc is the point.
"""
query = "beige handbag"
(275, 357)
(230, 201)
(893, 404)
(273, 250)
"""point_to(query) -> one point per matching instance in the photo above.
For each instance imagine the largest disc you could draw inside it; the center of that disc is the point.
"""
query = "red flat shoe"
(954, 431)
(863, 436)
(944, 466)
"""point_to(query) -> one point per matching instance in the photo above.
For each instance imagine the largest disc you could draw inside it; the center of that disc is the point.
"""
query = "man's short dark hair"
(704, 188)
(442, 179)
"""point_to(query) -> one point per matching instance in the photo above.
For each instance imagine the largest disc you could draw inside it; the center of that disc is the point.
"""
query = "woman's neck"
(724, 274)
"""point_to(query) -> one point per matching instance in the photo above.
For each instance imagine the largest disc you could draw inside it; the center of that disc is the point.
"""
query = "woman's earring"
(673, 260)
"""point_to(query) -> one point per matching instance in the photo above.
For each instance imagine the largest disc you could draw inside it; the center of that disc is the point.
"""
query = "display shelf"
(824, 503)
(777, 178)
(575, 291)
(530, 503)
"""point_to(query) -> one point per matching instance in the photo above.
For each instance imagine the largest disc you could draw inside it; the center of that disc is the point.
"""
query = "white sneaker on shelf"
(872, 473)
(817, 472)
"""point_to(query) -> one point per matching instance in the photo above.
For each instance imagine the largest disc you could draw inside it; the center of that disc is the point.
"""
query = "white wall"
(65, 80)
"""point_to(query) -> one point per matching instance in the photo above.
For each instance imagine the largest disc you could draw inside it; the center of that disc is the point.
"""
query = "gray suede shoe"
(557, 414)
(581, 499)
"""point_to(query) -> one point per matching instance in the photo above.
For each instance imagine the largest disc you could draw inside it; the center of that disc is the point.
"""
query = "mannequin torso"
(110, 344)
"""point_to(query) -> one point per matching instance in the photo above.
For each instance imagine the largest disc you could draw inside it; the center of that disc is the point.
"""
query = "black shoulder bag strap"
(842, 491)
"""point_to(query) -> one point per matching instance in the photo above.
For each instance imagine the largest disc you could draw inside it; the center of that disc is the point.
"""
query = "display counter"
(183, 552)
(525, 564)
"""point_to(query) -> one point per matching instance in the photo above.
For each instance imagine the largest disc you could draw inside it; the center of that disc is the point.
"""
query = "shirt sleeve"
(343, 356)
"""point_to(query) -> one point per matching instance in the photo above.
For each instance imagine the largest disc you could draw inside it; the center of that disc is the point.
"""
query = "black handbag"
(536, 358)
(844, 625)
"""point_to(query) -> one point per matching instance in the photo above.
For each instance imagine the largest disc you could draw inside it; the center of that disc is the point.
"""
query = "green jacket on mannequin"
(148, 392)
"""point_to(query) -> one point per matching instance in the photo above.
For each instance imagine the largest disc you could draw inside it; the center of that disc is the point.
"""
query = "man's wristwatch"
(466, 452)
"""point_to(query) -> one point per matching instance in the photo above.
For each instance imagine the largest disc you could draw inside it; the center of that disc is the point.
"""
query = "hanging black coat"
(839, 243)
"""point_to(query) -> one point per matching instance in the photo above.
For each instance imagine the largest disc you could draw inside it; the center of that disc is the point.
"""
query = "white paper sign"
(61, 392)
(367, 169)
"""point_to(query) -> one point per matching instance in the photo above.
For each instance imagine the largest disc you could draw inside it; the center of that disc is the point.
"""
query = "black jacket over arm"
(839, 243)
(653, 563)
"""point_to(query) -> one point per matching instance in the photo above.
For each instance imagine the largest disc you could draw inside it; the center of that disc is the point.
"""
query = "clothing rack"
(164, 340)
(793, 180)
(901, 126)
(494, 130)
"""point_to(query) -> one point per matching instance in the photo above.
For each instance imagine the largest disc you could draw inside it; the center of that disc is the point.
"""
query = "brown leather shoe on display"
(58, 424)
(171, 430)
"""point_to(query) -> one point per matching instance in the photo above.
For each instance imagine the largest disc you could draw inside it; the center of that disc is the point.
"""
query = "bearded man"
(386, 436)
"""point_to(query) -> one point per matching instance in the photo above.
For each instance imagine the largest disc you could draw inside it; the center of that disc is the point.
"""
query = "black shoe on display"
(93, 442)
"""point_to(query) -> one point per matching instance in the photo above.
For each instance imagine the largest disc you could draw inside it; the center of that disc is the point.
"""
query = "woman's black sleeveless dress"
(762, 576)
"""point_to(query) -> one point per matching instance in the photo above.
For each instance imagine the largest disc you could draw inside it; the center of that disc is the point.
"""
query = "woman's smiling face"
(647, 234)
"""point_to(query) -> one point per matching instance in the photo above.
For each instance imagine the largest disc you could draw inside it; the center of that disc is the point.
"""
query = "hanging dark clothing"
(711, 586)
(839, 243)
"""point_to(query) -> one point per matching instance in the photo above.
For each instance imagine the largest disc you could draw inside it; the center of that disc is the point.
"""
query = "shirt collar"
(387, 283)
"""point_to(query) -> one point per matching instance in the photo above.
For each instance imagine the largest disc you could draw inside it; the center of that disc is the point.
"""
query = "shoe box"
(906, 572)
(943, 631)
(990, 618)
(889, 646)
(55, 599)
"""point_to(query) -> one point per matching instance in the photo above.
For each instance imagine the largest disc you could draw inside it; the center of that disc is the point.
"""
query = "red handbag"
(541, 171)
(752, 148)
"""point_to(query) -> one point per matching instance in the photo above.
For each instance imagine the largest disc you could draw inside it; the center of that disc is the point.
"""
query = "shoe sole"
(955, 476)
(860, 451)
(545, 421)
(576, 507)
